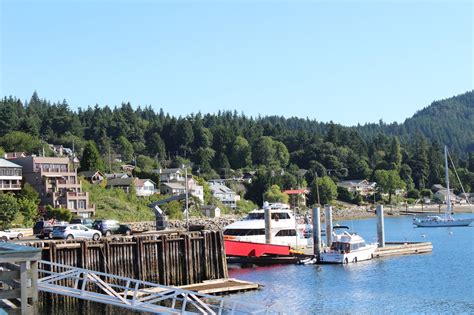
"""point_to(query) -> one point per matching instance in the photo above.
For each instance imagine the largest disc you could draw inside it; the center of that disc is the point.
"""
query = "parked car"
(4, 237)
(13, 234)
(75, 231)
(44, 229)
(84, 221)
(109, 227)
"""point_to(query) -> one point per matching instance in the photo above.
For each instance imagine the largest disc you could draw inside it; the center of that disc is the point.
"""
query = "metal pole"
(328, 215)
(316, 215)
(380, 226)
(186, 187)
(268, 223)
(317, 188)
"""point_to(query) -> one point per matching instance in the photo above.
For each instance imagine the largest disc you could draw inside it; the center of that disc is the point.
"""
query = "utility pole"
(186, 188)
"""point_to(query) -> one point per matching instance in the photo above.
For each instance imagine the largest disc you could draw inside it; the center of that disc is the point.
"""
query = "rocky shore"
(348, 213)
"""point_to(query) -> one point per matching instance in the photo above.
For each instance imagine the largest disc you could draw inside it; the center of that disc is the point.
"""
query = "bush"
(413, 193)
(60, 214)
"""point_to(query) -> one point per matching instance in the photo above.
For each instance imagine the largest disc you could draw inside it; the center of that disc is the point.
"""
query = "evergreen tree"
(91, 159)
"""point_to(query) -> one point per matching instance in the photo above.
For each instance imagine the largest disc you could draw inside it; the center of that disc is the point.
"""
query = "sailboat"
(447, 219)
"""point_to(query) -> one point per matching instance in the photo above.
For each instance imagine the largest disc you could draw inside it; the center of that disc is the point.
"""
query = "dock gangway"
(135, 294)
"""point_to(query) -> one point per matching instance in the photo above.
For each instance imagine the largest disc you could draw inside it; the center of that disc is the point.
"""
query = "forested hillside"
(449, 121)
(227, 143)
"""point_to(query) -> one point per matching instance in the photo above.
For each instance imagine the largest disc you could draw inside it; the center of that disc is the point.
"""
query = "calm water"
(440, 282)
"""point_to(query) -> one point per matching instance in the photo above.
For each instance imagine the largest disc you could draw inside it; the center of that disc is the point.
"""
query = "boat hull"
(442, 223)
(334, 257)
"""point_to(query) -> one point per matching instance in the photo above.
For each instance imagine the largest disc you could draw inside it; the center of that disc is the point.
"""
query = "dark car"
(44, 229)
(109, 227)
(84, 221)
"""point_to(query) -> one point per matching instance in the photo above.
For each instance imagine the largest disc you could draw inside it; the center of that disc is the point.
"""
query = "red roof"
(295, 191)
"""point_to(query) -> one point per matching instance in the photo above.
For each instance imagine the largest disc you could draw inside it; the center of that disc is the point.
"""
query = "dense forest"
(288, 152)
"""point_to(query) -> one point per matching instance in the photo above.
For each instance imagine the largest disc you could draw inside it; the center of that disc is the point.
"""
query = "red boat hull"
(249, 249)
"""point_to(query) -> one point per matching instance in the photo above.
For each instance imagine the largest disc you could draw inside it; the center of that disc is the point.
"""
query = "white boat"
(347, 248)
(447, 219)
(284, 228)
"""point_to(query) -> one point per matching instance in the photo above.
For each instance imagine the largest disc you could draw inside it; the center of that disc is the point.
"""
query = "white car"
(75, 231)
(14, 234)
(4, 237)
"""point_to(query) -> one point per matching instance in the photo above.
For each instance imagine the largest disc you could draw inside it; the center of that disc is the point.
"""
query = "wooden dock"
(229, 285)
(403, 248)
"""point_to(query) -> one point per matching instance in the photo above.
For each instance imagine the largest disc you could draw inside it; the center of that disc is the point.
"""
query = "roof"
(140, 182)
(120, 181)
(295, 191)
(89, 174)
(221, 188)
(5, 163)
(170, 170)
(174, 185)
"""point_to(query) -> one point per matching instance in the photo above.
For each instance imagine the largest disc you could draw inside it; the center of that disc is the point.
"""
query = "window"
(286, 233)
(244, 232)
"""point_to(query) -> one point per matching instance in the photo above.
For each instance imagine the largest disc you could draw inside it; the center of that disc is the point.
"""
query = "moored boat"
(346, 248)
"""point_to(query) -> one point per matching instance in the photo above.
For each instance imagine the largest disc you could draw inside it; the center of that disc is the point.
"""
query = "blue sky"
(350, 62)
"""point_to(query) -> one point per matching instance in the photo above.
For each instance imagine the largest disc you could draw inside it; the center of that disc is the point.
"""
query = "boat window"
(341, 246)
(244, 232)
(255, 216)
(280, 216)
(355, 246)
(286, 233)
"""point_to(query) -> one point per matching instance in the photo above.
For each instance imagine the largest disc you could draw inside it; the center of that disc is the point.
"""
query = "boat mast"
(448, 200)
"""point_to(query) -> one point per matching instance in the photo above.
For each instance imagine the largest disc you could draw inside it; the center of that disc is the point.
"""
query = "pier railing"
(135, 294)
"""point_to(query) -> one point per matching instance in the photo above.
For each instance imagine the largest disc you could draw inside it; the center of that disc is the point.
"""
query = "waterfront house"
(297, 197)
(211, 211)
(174, 188)
(442, 196)
(10, 176)
(55, 179)
(143, 187)
(361, 186)
(170, 175)
(223, 193)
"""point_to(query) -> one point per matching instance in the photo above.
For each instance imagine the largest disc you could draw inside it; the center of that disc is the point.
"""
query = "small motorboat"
(347, 247)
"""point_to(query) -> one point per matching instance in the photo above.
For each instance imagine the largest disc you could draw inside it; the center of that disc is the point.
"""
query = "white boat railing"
(136, 294)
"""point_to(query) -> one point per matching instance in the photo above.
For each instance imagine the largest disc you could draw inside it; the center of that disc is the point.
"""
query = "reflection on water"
(439, 282)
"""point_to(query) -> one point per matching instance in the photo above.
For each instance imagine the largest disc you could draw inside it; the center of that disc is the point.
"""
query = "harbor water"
(439, 282)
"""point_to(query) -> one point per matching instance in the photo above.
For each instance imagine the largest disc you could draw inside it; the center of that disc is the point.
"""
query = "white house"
(145, 187)
(362, 186)
(170, 175)
(224, 194)
(442, 196)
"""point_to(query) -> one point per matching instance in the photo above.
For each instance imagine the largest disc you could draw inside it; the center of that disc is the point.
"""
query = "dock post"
(268, 223)
(316, 215)
(380, 226)
(328, 218)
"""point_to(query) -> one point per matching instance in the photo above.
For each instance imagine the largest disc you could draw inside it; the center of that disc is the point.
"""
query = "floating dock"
(228, 285)
(403, 248)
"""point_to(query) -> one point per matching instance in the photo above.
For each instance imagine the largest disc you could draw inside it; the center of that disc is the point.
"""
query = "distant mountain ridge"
(449, 121)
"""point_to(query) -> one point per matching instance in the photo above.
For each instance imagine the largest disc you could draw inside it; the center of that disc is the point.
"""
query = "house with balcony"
(10, 176)
(55, 179)
(168, 175)
(93, 177)
(223, 193)
(297, 197)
